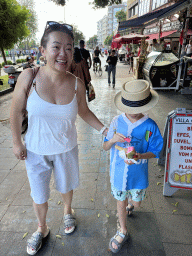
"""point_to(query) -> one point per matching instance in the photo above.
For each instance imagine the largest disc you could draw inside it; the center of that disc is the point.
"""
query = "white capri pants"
(65, 167)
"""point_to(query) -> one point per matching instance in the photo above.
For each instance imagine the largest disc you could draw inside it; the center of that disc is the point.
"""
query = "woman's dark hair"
(52, 28)
(77, 55)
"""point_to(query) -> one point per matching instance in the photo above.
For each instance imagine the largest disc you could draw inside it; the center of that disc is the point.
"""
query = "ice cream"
(129, 152)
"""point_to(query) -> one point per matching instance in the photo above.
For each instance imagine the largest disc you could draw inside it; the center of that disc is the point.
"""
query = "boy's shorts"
(136, 195)
(65, 168)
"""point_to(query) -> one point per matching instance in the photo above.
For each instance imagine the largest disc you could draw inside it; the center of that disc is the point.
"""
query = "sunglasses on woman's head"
(54, 23)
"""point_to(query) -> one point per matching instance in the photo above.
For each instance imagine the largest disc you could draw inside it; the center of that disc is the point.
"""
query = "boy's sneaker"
(113, 85)
(109, 84)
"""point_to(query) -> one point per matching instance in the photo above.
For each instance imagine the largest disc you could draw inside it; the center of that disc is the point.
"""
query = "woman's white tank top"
(51, 127)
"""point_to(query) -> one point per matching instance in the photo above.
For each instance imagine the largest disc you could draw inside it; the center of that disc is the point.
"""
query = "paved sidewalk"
(154, 230)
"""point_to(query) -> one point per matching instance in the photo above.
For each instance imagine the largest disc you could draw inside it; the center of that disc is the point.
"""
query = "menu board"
(179, 151)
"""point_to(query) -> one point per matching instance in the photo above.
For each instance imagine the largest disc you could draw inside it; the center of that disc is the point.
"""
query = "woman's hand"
(20, 151)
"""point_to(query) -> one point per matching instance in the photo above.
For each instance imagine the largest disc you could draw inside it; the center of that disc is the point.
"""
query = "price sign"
(178, 168)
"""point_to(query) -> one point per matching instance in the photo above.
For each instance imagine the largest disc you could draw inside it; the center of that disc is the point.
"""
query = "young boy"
(129, 179)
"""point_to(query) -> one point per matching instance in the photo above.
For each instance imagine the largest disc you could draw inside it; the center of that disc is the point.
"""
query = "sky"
(77, 12)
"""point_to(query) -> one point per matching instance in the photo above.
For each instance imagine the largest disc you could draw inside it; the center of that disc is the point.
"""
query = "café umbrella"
(131, 38)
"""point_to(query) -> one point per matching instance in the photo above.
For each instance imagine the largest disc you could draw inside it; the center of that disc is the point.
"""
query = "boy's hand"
(138, 155)
(118, 137)
(129, 162)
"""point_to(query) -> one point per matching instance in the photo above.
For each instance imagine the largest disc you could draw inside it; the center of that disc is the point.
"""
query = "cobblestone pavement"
(154, 229)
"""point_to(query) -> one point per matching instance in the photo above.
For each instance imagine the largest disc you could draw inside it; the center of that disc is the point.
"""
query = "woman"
(51, 139)
(80, 68)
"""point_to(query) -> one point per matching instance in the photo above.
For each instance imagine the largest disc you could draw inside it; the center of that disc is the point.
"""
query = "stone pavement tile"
(175, 228)
(89, 157)
(81, 246)
(3, 209)
(86, 191)
(163, 204)
(23, 219)
(23, 197)
(104, 199)
(20, 166)
(13, 244)
(155, 186)
(8, 163)
(11, 185)
(104, 168)
(87, 166)
(7, 143)
(145, 235)
(6, 152)
(177, 249)
(3, 174)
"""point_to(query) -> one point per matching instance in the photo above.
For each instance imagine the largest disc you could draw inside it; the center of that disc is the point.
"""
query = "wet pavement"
(154, 230)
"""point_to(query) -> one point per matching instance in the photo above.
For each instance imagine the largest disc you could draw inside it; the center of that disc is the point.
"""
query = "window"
(157, 3)
(133, 11)
(144, 6)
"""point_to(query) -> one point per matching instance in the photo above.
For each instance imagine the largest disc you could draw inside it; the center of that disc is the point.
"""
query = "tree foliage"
(108, 40)
(32, 22)
(92, 42)
(96, 3)
(78, 35)
(104, 3)
(13, 18)
(59, 2)
(121, 15)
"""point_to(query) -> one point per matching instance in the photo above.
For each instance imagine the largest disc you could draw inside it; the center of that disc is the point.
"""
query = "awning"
(152, 17)
(131, 38)
(164, 34)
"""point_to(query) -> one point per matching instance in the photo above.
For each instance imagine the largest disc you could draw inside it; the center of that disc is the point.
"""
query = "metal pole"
(64, 15)
(184, 43)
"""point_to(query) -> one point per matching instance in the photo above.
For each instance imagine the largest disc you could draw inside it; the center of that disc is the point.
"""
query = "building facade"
(109, 24)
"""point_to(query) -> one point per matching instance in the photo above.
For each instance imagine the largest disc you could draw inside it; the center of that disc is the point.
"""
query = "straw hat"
(136, 97)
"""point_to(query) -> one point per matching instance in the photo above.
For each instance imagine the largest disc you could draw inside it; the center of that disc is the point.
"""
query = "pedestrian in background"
(53, 103)
(80, 69)
(131, 62)
(85, 53)
(39, 55)
(129, 179)
(112, 61)
(188, 48)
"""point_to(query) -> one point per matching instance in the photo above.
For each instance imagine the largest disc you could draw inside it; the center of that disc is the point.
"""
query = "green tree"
(32, 22)
(96, 3)
(92, 42)
(121, 15)
(103, 3)
(13, 18)
(78, 35)
(108, 40)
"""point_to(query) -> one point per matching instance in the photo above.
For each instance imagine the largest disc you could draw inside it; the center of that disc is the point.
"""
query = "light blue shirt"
(145, 137)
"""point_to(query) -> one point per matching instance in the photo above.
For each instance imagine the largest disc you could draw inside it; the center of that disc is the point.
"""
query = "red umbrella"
(115, 44)
(131, 38)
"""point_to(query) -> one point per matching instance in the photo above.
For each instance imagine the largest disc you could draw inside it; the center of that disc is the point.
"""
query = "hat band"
(139, 103)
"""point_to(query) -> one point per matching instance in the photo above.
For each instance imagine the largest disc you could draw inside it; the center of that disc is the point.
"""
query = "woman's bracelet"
(102, 129)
